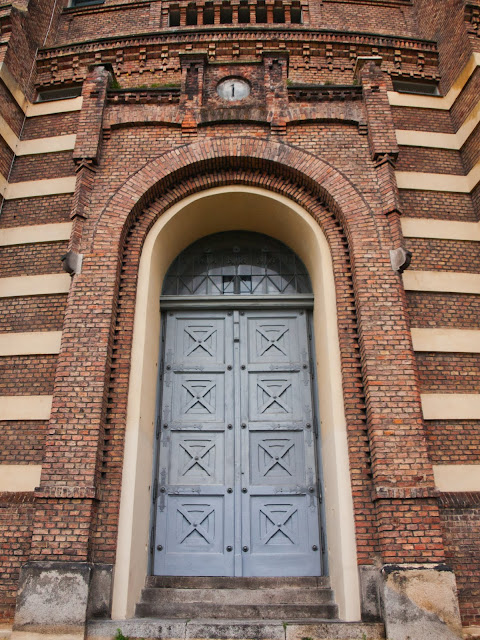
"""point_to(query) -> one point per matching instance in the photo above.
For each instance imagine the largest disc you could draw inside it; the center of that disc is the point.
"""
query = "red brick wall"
(461, 527)
(30, 260)
(38, 210)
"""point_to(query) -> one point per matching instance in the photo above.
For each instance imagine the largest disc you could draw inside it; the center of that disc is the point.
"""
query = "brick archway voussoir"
(338, 192)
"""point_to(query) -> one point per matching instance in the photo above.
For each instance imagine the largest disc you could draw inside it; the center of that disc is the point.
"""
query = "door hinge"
(152, 539)
(322, 539)
(157, 428)
(155, 492)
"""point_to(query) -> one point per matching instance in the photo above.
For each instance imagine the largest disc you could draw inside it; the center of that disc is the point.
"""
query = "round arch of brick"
(316, 175)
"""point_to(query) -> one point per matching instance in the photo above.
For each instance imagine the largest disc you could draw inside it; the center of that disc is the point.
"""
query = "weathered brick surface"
(449, 372)
(38, 210)
(32, 259)
(16, 511)
(414, 119)
(430, 160)
(452, 310)
(453, 441)
(461, 527)
(27, 375)
(57, 124)
(47, 165)
(21, 442)
(444, 255)
(438, 205)
(32, 313)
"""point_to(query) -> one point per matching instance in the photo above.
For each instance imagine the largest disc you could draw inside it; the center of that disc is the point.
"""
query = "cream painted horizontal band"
(447, 340)
(440, 229)
(457, 477)
(13, 86)
(8, 134)
(451, 406)
(3, 184)
(19, 477)
(36, 233)
(31, 343)
(54, 106)
(46, 145)
(49, 283)
(438, 181)
(25, 407)
(445, 103)
(446, 281)
(36, 188)
(37, 108)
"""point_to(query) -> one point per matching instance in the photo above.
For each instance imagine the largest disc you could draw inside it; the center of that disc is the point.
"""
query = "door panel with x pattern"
(237, 479)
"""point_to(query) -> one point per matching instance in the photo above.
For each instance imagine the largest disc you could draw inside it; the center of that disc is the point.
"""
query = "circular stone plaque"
(233, 89)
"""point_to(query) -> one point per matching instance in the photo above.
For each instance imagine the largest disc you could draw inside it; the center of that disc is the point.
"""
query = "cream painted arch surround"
(232, 208)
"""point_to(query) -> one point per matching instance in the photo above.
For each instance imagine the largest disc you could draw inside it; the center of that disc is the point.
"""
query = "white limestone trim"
(457, 477)
(445, 103)
(451, 406)
(49, 283)
(46, 145)
(32, 343)
(36, 233)
(471, 632)
(440, 229)
(446, 281)
(433, 140)
(19, 477)
(195, 216)
(3, 184)
(446, 340)
(36, 188)
(438, 181)
(25, 407)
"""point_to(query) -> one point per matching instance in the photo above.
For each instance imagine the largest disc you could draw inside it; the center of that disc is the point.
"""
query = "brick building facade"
(356, 146)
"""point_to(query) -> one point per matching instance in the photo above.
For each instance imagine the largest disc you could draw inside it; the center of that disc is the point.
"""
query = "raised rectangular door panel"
(237, 481)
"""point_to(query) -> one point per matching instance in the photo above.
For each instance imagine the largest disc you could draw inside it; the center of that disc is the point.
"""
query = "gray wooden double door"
(237, 479)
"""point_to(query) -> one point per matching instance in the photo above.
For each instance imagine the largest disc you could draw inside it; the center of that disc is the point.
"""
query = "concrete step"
(234, 629)
(292, 595)
(188, 582)
(200, 609)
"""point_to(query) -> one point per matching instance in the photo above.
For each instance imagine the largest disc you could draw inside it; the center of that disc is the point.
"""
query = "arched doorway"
(237, 490)
(210, 211)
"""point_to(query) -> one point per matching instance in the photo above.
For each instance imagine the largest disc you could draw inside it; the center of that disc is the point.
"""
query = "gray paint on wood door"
(237, 484)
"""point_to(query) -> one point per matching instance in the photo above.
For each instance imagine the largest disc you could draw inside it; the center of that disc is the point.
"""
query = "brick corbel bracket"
(275, 64)
(86, 156)
(193, 75)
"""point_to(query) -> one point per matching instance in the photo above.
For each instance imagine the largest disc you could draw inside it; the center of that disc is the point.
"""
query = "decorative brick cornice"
(162, 96)
(323, 93)
(160, 51)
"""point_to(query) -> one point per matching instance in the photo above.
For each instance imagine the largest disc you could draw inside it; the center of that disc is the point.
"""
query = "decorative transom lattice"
(237, 263)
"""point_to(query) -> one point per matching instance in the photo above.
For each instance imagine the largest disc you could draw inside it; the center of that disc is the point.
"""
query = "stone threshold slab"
(157, 629)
